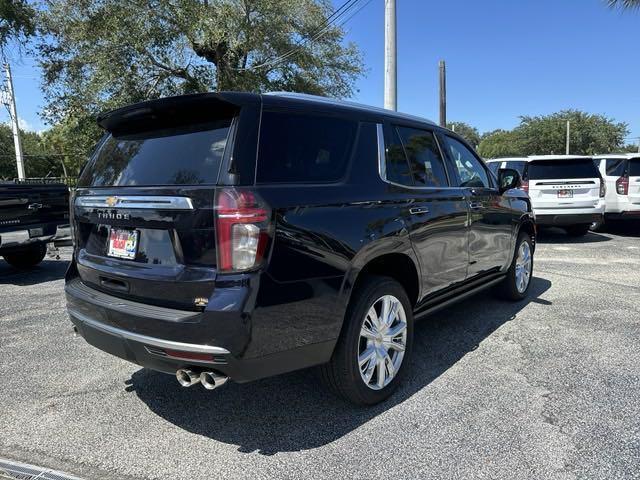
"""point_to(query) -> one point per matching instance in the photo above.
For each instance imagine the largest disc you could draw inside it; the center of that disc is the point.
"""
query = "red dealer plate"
(123, 243)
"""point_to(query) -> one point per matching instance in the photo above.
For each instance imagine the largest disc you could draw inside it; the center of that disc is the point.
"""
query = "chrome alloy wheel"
(382, 342)
(523, 267)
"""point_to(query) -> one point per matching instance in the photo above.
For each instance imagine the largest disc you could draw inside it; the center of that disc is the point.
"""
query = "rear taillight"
(603, 188)
(524, 185)
(622, 186)
(243, 229)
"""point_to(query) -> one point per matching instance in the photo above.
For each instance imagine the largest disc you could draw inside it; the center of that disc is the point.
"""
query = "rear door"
(437, 213)
(490, 215)
(144, 218)
(564, 184)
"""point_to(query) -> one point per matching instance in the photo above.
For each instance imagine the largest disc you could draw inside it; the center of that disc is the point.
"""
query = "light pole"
(390, 56)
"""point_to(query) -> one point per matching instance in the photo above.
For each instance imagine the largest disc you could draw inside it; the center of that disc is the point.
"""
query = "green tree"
(546, 134)
(500, 143)
(16, 21)
(38, 158)
(466, 131)
(100, 54)
(589, 134)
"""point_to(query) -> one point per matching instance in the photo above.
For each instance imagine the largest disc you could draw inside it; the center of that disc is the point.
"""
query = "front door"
(436, 213)
(490, 215)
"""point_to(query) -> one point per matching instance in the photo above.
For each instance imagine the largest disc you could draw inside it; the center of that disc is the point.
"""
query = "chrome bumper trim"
(156, 342)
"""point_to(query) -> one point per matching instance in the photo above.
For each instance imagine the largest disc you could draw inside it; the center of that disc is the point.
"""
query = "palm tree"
(624, 4)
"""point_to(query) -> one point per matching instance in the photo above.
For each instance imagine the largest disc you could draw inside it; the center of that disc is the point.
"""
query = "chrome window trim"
(158, 202)
(382, 165)
(144, 339)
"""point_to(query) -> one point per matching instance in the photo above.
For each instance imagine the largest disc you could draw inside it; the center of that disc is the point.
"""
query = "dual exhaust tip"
(209, 380)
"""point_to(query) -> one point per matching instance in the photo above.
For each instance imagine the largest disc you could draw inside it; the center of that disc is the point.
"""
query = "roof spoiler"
(171, 111)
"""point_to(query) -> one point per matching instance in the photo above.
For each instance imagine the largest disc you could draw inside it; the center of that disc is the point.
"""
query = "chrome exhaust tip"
(211, 380)
(187, 377)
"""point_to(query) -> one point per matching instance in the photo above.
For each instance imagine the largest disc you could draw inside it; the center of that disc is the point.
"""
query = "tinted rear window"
(297, 148)
(177, 156)
(634, 167)
(562, 169)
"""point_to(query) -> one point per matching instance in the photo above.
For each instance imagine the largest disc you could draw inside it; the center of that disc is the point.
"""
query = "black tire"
(578, 230)
(27, 258)
(508, 289)
(342, 373)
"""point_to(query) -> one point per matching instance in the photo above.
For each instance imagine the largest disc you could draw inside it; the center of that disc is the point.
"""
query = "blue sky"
(505, 58)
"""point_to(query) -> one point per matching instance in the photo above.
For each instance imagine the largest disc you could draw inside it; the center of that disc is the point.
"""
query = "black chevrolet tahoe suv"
(241, 236)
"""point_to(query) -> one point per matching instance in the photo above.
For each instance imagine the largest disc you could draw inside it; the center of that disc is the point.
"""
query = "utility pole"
(568, 134)
(390, 56)
(14, 123)
(443, 94)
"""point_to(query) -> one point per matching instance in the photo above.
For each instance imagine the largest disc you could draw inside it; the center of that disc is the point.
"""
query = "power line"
(315, 35)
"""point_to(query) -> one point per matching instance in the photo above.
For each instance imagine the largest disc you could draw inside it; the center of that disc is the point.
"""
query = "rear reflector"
(243, 227)
(205, 357)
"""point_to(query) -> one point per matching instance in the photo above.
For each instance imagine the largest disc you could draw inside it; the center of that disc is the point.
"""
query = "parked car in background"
(240, 236)
(621, 173)
(31, 216)
(566, 191)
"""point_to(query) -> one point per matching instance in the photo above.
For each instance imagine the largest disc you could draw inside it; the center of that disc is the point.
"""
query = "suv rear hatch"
(24, 205)
(144, 211)
(564, 183)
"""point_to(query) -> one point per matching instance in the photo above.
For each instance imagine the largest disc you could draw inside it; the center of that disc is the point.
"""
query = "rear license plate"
(123, 243)
(565, 193)
(36, 232)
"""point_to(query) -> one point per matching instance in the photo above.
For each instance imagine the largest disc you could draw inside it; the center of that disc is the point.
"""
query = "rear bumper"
(567, 219)
(181, 339)
(24, 237)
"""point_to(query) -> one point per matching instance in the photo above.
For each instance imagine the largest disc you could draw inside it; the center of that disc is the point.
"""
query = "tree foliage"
(466, 131)
(500, 143)
(100, 54)
(539, 135)
(16, 21)
(39, 159)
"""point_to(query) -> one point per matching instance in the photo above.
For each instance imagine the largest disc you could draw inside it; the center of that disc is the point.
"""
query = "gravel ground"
(546, 388)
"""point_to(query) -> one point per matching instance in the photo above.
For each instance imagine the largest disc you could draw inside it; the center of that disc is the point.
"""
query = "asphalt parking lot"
(546, 388)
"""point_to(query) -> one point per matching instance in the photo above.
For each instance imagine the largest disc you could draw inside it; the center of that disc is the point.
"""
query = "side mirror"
(508, 179)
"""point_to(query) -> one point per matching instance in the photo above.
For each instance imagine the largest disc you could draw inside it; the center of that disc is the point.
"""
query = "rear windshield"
(562, 169)
(177, 156)
(296, 148)
(634, 167)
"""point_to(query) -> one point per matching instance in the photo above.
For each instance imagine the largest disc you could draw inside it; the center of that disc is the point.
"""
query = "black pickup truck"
(31, 215)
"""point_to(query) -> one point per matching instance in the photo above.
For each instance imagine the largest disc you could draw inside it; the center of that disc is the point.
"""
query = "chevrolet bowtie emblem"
(112, 201)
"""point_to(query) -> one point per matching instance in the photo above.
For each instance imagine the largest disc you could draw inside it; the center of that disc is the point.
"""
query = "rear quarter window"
(177, 156)
(301, 148)
(562, 169)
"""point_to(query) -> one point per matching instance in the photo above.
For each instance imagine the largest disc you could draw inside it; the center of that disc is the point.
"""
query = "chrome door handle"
(476, 205)
(418, 210)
